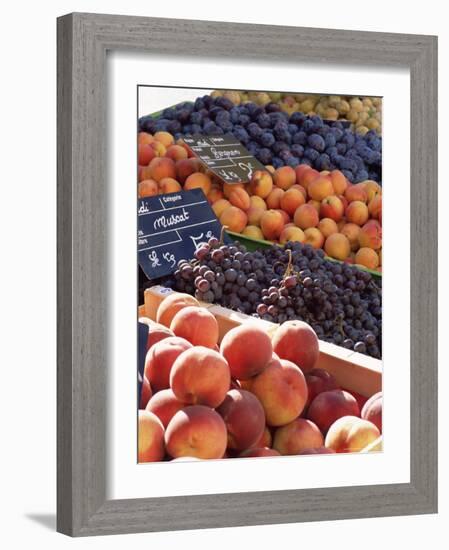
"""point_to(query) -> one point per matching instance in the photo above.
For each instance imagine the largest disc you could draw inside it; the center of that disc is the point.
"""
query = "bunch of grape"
(342, 303)
(275, 137)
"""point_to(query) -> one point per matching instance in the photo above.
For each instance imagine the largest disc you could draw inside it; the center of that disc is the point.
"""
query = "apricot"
(197, 325)
(246, 360)
(162, 167)
(198, 180)
(186, 167)
(170, 306)
(298, 435)
(297, 342)
(315, 204)
(337, 246)
(339, 182)
(239, 198)
(314, 237)
(367, 257)
(319, 380)
(144, 173)
(272, 223)
(147, 188)
(176, 152)
(372, 189)
(329, 406)
(274, 198)
(150, 438)
(350, 434)
(257, 202)
(253, 232)
(300, 188)
(160, 358)
(291, 200)
(200, 376)
(165, 138)
(159, 148)
(215, 194)
(169, 185)
(375, 206)
(282, 390)
(244, 418)
(220, 206)
(257, 452)
(292, 233)
(234, 219)
(351, 232)
(344, 201)
(327, 226)
(144, 138)
(306, 216)
(357, 212)
(164, 404)
(356, 192)
(332, 207)
(307, 177)
(299, 170)
(320, 188)
(261, 184)
(372, 410)
(145, 154)
(284, 177)
(254, 214)
(196, 431)
(370, 235)
(228, 188)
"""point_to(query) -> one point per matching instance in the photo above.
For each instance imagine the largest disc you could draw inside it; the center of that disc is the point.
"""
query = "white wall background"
(28, 240)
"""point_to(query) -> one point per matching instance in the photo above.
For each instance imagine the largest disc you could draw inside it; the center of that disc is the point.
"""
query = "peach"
(300, 188)
(200, 376)
(145, 393)
(327, 226)
(375, 206)
(332, 207)
(196, 431)
(315, 204)
(169, 185)
(350, 434)
(145, 154)
(164, 404)
(320, 188)
(296, 436)
(244, 418)
(162, 167)
(274, 198)
(299, 170)
(344, 201)
(329, 406)
(186, 167)
(197, 325)
(159, 148)
(220, 206)
(356, 192)
(176, 152)
(318, 451)
(198, 180)
(367, 257)
(144, 138)
(337, 246)
(306, 216)
(284, 177)
(228, 188)
(254, 214)
(361, 399)
(291, 200)
(282, 390)
(257, 452)
(261, 184)
(239, 198)
(297, 342)
(165, 138)
(307, 177)
(215, 194)
(370, 235)
(182, 143)
(318, 381)
(150, 438)
(246, 361)
(314, 237)
(292, 233)
(357, 212)
(144, 173)
(339, 182)
(253, 232)
(372, 410)
(160, 358)
(272, 223)
(284, 215)
(351, 232)
(372, 189)
(265, 439)
(234, 219)
(157, 333)
(170, 306)
(147, 188)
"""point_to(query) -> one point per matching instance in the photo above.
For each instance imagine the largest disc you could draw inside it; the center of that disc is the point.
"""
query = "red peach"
(297, 342)
(296, 436)
(197, 325)
(329, 406)
(145, 154)
(372, 410)
(350, 434)
(160, 358)
(318, 381)
(150, 438)
(170, 306)
(164, 404)
(257, 452)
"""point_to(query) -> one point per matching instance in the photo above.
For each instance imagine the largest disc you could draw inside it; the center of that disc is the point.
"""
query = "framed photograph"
(278, 309)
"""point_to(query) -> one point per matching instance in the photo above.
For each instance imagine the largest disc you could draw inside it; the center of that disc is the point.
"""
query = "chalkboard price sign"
(225, 156)
(171, 227)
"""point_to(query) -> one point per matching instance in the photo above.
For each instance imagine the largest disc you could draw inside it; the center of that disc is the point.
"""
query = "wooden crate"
(353, 371)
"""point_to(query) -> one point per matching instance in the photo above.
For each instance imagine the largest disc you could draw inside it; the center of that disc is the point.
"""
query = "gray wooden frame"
(83, 40)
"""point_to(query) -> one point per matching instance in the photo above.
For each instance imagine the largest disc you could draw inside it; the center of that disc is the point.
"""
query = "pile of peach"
(201, 400)
(322, 209)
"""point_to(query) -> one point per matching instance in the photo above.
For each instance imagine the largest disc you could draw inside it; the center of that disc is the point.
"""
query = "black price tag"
(171, 227)
(225, 156)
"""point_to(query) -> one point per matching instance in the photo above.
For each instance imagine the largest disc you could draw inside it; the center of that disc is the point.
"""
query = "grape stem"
(223, 229)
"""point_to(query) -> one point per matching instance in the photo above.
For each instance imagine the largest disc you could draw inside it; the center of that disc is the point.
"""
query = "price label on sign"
(171, 227)
(226, 157)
